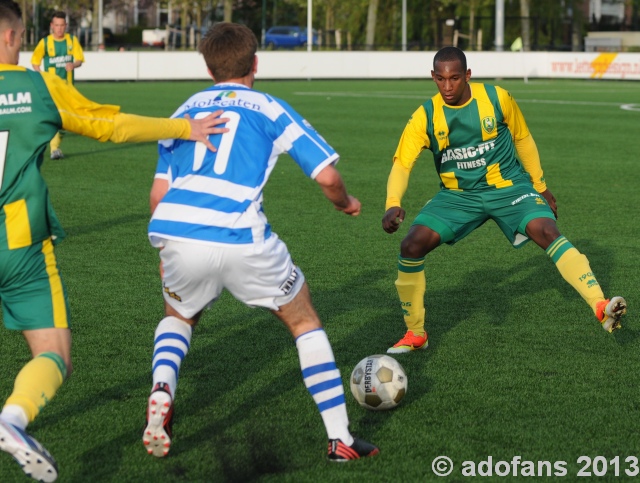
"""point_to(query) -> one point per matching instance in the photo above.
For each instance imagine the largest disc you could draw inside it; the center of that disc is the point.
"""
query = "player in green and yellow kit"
(474, 131)
(62, 55)
(33, 107)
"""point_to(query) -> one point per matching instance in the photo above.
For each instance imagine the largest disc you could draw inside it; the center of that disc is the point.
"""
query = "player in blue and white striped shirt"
(214, 235)
(228, 206)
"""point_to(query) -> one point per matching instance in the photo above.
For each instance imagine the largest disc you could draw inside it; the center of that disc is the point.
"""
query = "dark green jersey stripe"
(30, 119)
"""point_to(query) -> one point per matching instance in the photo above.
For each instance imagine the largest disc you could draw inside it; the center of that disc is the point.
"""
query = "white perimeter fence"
(145, 66)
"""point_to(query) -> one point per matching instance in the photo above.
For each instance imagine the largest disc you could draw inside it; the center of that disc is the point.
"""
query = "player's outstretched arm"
(134, 128)
(105, 122)
(334, 189)
(202, 128)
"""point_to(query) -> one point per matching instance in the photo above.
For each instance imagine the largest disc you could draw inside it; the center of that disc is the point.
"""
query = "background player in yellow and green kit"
(474, 132)
(36, 105)
(62, 55)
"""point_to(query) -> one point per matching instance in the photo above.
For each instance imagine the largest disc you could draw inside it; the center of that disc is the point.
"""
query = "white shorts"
(260, 275)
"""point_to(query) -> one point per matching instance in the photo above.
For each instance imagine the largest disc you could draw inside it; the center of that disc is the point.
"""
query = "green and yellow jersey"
(57, 53)
(33, 107)
(473, 145)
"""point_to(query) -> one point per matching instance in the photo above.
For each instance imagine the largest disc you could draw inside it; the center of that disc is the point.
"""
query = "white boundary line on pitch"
(381, 95)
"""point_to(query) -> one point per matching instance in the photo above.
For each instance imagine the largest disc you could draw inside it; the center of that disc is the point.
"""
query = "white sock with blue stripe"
(322, 378)
(171, 344)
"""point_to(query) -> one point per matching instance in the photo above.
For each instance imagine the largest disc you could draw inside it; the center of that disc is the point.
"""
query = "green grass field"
(517, 364)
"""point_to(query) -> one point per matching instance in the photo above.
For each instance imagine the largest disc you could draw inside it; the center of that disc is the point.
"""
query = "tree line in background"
(362, 24)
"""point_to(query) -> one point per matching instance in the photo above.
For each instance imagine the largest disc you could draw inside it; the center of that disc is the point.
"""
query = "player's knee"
(419, 241)
(543, 231)
(413, 248)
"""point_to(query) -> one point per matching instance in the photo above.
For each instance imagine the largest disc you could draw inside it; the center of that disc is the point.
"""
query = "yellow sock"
(574, 268)
(411, 286)
(37, 383)
(56, 141)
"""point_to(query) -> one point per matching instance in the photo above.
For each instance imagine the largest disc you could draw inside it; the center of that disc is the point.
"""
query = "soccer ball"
(378, 382)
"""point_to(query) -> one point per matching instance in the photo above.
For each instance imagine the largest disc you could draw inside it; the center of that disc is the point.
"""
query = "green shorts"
(32, 292)
(455, 214)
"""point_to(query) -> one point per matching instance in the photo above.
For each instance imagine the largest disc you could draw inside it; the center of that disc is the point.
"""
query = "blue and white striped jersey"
(216, 197)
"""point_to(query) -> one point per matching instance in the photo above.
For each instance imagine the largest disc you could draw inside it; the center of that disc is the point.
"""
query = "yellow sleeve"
(78, 53)
(512, 115)
(38, 53)
(528, 153)
(79, 114)
(414, 139)
(132, 128)
(397, 185)
(105, 122)
(524, 143)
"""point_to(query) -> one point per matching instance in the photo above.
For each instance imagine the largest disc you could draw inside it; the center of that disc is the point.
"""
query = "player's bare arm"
(392, 219)
(73, 65)
(202, 128)
(159, 188)
(333, 188)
